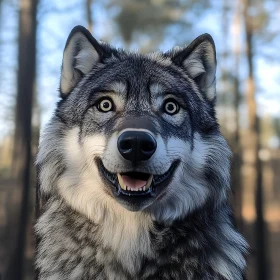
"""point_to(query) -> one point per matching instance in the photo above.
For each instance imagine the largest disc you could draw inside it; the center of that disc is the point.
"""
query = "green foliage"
(153, 17)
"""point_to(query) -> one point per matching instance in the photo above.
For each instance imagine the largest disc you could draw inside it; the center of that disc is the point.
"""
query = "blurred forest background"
(247, 36)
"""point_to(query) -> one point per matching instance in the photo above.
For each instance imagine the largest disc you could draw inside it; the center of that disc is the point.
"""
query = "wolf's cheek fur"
(189, 188)
(80, 185)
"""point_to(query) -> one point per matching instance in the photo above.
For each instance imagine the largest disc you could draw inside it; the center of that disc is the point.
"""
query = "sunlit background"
(247, 37)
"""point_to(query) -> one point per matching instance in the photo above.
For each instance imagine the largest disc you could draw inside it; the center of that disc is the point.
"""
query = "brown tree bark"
(23, 125)
(89, 16)
(254, 134)
(237, 150)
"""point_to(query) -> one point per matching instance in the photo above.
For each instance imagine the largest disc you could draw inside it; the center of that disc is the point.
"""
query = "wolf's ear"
(81, 53)
(199, 61)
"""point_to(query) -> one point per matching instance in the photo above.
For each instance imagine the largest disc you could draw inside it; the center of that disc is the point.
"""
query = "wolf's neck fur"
(132, 246)
(121, 236)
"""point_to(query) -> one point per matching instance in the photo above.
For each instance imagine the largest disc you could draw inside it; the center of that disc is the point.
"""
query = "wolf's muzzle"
(136, 146)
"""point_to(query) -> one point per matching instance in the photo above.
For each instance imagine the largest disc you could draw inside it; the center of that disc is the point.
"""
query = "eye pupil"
(105, 105)
(171, 107)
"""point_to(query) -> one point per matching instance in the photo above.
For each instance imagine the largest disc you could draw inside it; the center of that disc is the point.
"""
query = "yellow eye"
(171, 107)
(105, 105)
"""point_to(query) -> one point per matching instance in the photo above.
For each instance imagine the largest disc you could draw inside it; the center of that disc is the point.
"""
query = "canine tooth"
(149, 182)
(144, 188)
(121, 182)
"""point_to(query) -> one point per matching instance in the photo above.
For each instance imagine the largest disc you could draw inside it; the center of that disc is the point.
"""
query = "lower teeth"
(134, 190)
(124, 187)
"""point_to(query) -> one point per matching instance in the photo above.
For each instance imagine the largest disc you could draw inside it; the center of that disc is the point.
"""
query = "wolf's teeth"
(121, 182)
(149, 182)
(126, 188)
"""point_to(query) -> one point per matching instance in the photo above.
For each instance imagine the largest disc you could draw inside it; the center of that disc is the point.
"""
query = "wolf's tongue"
(133, 183)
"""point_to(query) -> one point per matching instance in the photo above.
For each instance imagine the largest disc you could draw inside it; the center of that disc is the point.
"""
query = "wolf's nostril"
(126, 145)
(147, 147)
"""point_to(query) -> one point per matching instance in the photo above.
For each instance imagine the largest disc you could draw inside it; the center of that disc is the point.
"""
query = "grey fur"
(85, 231)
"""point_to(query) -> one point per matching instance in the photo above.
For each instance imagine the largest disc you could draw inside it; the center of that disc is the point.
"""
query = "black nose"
(136, 145)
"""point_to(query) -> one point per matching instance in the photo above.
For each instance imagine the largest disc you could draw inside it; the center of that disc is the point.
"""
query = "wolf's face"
(136, 130)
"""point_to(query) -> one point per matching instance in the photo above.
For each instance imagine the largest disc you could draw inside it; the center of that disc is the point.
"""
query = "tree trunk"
(237, 150)
(89, 16)
(254, 134)
(23, 125)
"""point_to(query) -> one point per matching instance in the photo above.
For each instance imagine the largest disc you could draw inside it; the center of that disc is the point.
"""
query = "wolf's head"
(135, 130)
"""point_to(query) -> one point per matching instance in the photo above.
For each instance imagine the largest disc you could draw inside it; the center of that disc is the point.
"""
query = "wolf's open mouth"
(137, 183)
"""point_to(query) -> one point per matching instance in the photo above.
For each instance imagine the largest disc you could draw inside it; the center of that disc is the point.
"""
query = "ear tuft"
(199, 61)
(80, 55)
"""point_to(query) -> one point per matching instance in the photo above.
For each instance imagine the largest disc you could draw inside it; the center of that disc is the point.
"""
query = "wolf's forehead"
(155, 89)
(118, 87)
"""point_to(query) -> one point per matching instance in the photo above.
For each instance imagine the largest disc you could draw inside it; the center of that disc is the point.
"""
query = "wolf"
(133, 170)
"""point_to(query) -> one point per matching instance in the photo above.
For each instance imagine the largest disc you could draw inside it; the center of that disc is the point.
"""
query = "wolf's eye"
(171, 107)
(105, 105)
